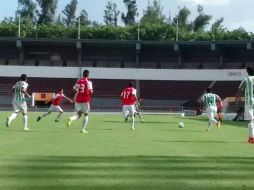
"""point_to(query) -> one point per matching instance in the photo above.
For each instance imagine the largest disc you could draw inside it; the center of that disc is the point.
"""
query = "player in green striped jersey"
(19, 102)
(209, 101)
(247, 86)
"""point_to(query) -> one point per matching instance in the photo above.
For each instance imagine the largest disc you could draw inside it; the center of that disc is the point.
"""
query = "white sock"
(58, 116)
(72, 118)
(25, 121)
(209, 124)
(250, 129)
(140, 116)
(132, 121)
(85, 122)
(214, 121)
(12, 117)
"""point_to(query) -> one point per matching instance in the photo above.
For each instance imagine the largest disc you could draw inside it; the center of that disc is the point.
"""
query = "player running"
(209, 100)
(83, 89)
(128, 98)
(19, 102)
(247, 86)
(137, 111)
(55, 105)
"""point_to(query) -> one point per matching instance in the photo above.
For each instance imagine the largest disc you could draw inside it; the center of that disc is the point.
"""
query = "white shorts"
(82, 107)
(128, 109)
(248, 112)
(19, 106)
(211, 112)
(55, 108)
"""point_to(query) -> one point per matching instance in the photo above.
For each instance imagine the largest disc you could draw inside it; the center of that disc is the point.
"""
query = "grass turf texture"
(157, 155)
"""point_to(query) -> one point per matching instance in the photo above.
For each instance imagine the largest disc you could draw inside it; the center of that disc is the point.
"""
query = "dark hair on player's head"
(23, 77)
(60, 89)
(250, 71)
(131, 84)
(208, 90)
(85, 73)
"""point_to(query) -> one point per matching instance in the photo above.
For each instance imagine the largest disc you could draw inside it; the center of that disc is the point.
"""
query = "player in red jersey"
(55, 105)
(128, 98)
(219, 110)
(83, 89)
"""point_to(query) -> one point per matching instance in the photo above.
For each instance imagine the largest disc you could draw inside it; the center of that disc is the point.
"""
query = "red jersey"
(83, 88)
(128, 96)
(57, 99)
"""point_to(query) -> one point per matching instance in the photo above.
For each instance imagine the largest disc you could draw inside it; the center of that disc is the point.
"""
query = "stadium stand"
(127, 54)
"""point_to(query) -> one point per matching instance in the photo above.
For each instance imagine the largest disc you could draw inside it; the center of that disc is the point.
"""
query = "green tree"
(182, 18)
(129, 17)
(202, 20)
(26, 9)
(111, 14)
(48, 11)
(69, 13)
(153, 13)
(217, 25)
(83, 16)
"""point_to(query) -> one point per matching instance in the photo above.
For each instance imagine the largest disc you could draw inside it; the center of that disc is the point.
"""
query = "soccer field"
(157, 155)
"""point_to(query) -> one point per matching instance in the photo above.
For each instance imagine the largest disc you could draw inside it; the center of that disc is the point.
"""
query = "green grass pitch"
(157, 155)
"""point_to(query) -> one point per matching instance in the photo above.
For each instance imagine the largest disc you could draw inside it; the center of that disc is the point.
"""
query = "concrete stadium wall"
(126, 73)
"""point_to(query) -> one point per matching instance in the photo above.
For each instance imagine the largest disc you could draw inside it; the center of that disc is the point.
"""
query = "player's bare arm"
(68, 99)
(239, 92)
(25, 92)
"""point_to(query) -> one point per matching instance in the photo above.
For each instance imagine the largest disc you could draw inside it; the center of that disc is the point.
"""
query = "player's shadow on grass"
(186, 131)
(198, 141)
(127, 172)
(241, 124)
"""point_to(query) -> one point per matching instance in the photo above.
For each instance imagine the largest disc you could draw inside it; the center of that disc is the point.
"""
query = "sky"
(236, 13)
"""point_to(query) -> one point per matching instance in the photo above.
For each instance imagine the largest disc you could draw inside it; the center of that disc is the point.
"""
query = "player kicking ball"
(55, 105)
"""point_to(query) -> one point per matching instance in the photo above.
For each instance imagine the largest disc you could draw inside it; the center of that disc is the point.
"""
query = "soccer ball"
(180, 125)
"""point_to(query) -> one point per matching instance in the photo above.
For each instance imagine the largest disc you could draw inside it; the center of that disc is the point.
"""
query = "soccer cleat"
(132, 128)
(38, 119)
(126, 119)
(218, 125)
(83, 131)
(208, 129)
(27, 129)
(142, 121)
(7, 124)
(251, 140)
(69, 123)
(56, 120)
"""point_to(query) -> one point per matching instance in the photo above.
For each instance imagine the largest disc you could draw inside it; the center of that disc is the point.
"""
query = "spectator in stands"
(239, 114)
(247, 86)
(210, 100)
(128, 98)
(55, 105)
(19, 101)
(83, 89)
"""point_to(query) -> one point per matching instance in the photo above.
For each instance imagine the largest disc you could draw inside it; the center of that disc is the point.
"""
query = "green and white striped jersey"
(210, 100)
(19, 96)
(247, 85)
